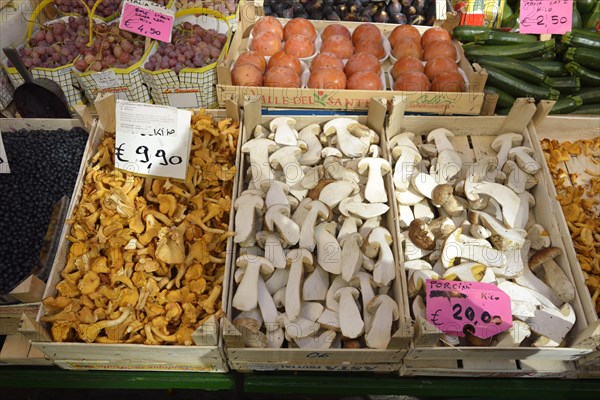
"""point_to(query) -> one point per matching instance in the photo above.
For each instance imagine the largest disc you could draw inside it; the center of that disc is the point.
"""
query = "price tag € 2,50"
(546, 16)
(152, 140)
(479, 308)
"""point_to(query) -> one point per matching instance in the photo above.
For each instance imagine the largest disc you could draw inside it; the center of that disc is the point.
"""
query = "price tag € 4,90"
(147, 19)
(480, 308)
(152, 140)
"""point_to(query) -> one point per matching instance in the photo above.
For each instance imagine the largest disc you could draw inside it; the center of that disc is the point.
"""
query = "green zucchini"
(518, 51)
(504, 38)
(566, 105)
(564, 84)
(519, 68)
(588, 77)
(518, 87)
(585, 6)
(550, 67)
(588, 109)
(505, 100)
(584, 56)
(467, 33)
(592, 19)
(589, 95)
(576, 22)
(581, 38)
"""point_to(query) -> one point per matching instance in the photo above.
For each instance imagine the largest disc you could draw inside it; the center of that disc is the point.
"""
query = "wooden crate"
(31, 289)
(205, 356)
(17, 348)
(294, 359)
(473, 137)
(469, 102)
(572, 128)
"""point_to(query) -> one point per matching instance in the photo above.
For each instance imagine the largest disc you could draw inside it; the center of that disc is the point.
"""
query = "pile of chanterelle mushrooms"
(474, 222)
(147, 256)
(315, 263)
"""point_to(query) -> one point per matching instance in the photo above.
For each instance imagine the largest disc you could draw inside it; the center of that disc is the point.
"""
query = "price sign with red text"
(147, 19)
(546, 16)
(479, 308)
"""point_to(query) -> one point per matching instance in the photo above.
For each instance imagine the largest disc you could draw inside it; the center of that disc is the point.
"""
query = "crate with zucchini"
(565, 68)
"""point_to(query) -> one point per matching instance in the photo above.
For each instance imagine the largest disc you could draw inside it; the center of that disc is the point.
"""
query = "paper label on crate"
(106, 79)
(546, 16)
(147, 19)
(152, 140)
(4, 167)
(480, 308)
(183, 100)
(441, 9)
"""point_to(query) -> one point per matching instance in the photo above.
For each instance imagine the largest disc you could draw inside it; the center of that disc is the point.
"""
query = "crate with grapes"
(183, 73)
(229, 8)
(6, 90)
(50, 50)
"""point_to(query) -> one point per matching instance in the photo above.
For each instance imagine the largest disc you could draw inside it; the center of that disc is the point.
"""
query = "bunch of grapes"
(192, 46)
(56, 44)
(106, 8)
(225, 7)
(111, 47)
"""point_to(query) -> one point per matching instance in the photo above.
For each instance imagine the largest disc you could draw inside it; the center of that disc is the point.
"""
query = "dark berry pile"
(44, 167)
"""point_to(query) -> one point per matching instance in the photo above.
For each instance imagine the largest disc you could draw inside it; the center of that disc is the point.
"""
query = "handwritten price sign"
(147, 19)
(152, 140)
(546, 16)
(480, 308)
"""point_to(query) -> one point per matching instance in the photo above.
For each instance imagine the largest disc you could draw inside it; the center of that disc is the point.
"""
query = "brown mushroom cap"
(376, 301)
(441, 194)
(543, 255)
(420, 235)
(351, 289)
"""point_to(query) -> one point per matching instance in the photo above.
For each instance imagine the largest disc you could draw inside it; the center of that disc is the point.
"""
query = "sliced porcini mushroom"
(412, 251)
(279, 297)
(417, 279)
(440, 137)
(420, 235)
(422, 210)
(317, 211)
(286, 158)
(251, 334)
(522, 155)
(301, 211)
(375, 191)
(334, 192)
(368, 226)
(515, 177)
(524, 301)
(329, 319)
(502, 145)
(479, 231)
(323, 340)
(349, 224)
(246, 295)
(405, 216)
(466, 272)
(343, 205)
(424, 183)
(442, 196)
(367, 210)
(351, 255)
(273, 250)
(384, 271)
(406, 156)
(252, 314)
(267, 307)
(538, 236)
(248, 205)
(385, 311)
(349, 144)
(359, 130)
(553, 323)
(259, 150)
(298, 328)
(418, 308)
(311, 310)
(328, 248)
(408, 197)
(285, 134)
(334, 169)
(310, 135)
(330, 300)
(301, 262)
(331, 153)
(454, 248)
(315, 285)
(448, 166)
(512, 211)
(541, 256)
(483, 169)
(366, 284)
(556, 278)
(529, 280)
(262, 132)
(312, 176)
(417, 264)
(502, 238)
(514, 336)
(277, 195)
(277, 280)
(278, 218)
(351, 323)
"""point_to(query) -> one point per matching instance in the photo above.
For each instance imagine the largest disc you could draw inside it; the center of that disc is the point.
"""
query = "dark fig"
(278, 8)
(328, 2)
(410, 10)
(314, 5)
(430, 20)
(398, 18)
(365, 18)
(381, 16)
(394, 7)
(268, 10)
(406, 3)
(420, 6)
(303, 14)
(327, 10)
(369, 10)
(416, 19)
(305, 2)
(339, 2)
(297, 7)
(350, 17)
(318, 15)
(341, 9)
(332, 16)
(354, 6)
(288, 13)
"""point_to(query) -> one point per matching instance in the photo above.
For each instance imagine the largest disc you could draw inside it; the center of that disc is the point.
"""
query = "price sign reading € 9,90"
(546, 16)
(479, 308)
(147, 19)
(152, 140)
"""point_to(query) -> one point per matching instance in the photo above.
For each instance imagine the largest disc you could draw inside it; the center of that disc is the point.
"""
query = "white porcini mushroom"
(448, 166)
(515, 177)
(512, 211)
(412, 251)
(301, 261)
(479, 231)
(275, 338)
(277, 194)
(252, 314)
(385, 311)
(385, 270)
(515, 335)
(502, 238)
(442, 196)
(285, 134)
(317, 210)
(405, 216)
(248, 205)
(246, 295)
(286, 158)
(556, 278)
(524, 301)
(524, 160)
(312, 177)
(277, 280)
(484, 169)
(440, 137)
(316, 285)
(529, 280)
(329, 319)
(301, 211)
(427, 150)
(349, 144)
(538, 236)
(454, 248)
(378, 167)
(251, 334)
(335, 170)
(407, 156)
(417, 279)
(328, 248)
(553, 323)
(333, 193)
(310, 135)
(424, 183)
(367, 210)
(422, 210)
(417, 264)
(330, 300)
(273, 250)
(278, 218)
(351, 255)
(260, 132)
(502, 145)
(324, 340)
(365, 282)
(259, 150)
(408, 197)
(267, 306)
(466, 272)
(311, 310)
(351, 323)
(418, 308)
(349, 224)
(279, 297)
(298, 328)
(368, 226)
